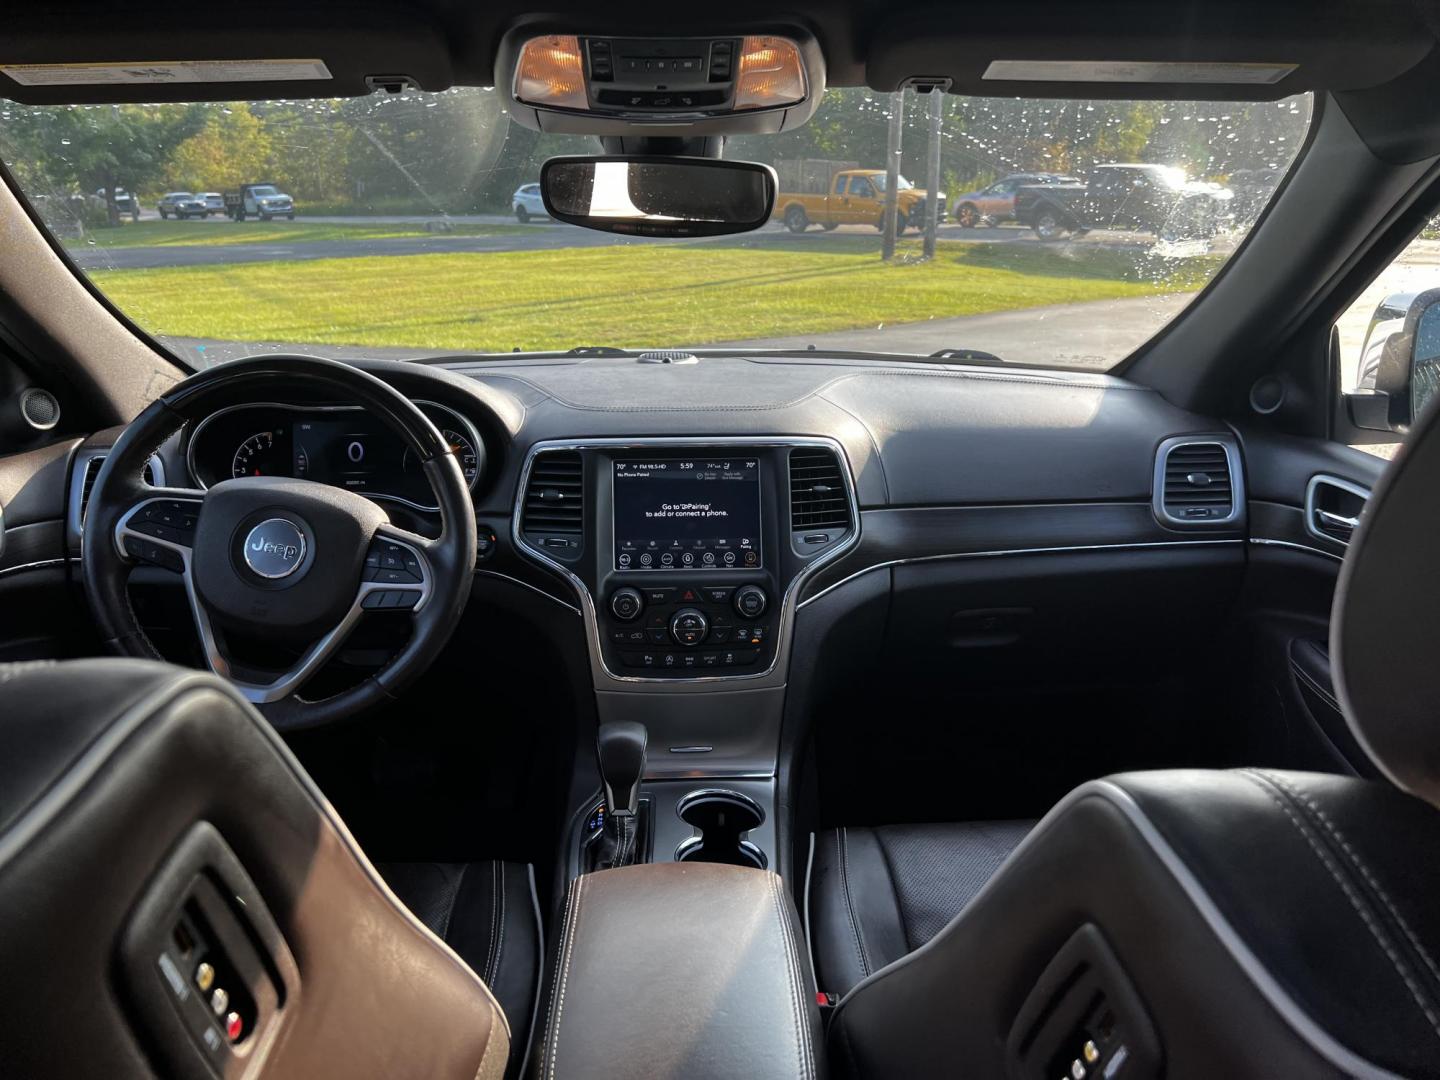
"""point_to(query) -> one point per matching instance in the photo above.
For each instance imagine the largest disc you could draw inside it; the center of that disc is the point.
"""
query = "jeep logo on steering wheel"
(275, 548)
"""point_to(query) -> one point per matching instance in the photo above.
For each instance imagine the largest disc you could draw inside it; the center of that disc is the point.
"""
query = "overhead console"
(687, 556)
(603, 84)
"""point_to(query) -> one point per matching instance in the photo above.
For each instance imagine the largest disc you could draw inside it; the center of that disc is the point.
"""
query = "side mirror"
(659, 196)
(1399, 365)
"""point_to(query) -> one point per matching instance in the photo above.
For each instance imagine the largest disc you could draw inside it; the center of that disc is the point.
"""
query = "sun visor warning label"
(167, 71)
(1135, 71)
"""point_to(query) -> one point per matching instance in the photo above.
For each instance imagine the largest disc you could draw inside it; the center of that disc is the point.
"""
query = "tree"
(111, 147)
(232, 148)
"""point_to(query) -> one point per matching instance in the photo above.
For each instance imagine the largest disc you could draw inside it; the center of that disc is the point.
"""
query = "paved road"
(1091, 335)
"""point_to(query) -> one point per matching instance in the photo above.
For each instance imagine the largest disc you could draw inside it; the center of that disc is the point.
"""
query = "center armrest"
(673, 970)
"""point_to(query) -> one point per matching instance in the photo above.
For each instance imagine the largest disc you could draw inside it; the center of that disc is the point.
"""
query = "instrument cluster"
(341, 445)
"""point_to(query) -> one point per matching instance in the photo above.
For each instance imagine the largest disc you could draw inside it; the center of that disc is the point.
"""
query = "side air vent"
(1197, 482)
(1333, 508)
(554, 514)
(92, 470)
(819, 501)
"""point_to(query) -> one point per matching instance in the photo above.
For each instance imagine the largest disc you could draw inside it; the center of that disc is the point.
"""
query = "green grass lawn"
(217, 232)
(623, 295)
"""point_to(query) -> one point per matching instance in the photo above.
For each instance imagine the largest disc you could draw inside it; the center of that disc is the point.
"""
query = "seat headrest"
(1385, 625)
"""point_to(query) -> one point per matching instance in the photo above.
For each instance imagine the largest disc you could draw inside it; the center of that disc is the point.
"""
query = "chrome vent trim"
(1198, 482)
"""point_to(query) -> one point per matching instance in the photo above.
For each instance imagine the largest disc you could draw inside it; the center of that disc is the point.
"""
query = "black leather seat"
(1251, 923)
(879, 894)
(487, 912)
(160, 845)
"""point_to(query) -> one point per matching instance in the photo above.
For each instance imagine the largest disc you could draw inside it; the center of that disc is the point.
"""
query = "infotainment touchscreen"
(687, 514)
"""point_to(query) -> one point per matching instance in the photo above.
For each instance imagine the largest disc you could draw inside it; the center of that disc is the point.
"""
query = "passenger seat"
(878, 894)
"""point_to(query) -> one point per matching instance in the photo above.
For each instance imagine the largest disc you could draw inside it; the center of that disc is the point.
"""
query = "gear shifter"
(620, 749)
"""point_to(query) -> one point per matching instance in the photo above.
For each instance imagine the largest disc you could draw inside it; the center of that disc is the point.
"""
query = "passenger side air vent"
(819, 501)
(1197, 482)
(554, 513)
(1333, 508)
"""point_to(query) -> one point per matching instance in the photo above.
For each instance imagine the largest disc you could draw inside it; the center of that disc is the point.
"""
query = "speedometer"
(259, 456)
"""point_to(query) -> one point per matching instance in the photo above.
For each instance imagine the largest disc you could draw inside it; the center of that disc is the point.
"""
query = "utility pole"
(892, 173)
(932, 182)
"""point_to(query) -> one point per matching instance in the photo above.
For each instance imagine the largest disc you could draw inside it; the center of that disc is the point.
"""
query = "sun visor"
(1230, 53)
(115, 57)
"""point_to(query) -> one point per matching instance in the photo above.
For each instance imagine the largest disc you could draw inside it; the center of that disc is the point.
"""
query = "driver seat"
(178, 898)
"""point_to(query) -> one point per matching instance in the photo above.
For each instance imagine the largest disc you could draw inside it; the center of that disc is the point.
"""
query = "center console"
(686, 554)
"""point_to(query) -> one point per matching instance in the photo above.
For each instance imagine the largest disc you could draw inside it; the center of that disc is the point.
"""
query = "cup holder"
(723, 819)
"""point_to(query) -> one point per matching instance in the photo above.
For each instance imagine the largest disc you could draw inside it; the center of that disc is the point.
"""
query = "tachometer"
(258, 456)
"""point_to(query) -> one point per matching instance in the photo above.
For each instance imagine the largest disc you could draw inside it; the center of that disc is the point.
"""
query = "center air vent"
(818, 497)
(1197, 482)
(554, 513)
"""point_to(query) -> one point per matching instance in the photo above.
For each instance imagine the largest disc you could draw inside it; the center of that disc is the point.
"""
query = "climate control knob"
(626, 604)
(750, 601)
(688, 626)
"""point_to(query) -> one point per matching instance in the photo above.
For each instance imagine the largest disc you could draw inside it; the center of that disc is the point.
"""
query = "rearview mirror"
(658, 196)
(1399, 365)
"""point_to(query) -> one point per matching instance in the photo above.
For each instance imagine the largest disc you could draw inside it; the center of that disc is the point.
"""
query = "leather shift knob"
(620, 748)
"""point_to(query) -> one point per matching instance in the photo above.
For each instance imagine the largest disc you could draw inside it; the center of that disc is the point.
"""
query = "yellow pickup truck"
(853, 197)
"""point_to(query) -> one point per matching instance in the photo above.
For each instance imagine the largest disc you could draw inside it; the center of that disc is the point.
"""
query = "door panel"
(42, 615)
(1282, 648)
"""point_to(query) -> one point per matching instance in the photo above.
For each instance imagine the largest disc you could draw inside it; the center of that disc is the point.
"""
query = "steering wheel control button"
(275, 548)
(156, 554)
(392, 564)
(626, 604)
(750, 601)
(688, 626)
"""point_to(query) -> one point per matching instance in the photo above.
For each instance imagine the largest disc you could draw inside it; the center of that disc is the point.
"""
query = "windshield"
(402, 235)
(882, 182)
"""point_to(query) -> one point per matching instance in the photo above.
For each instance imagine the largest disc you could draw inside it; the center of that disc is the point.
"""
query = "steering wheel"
(294, 563)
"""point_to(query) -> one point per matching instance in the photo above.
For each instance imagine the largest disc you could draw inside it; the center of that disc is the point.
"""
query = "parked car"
(214, 202)
(1149, 198)
(996, 203)
(125, 202)
(262, 200)
(182, 205)
(853, 197)
(527, 203)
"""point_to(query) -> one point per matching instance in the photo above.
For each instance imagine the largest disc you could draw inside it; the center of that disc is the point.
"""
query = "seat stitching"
(489, 969)
(1265, 784)
(572, 931)
(798, 975)
(791, 967)
(842, 845)
(500, 922)
(455, 899)
(1359, 864)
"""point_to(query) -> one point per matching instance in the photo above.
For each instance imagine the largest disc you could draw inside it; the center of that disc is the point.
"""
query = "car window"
(1381, 309)
(368, 183)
